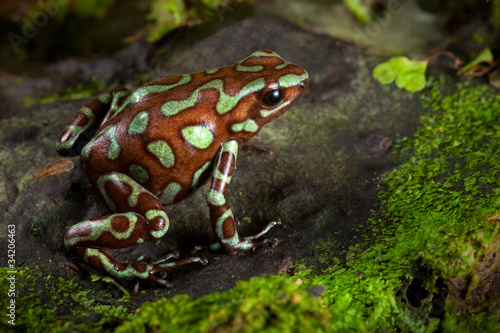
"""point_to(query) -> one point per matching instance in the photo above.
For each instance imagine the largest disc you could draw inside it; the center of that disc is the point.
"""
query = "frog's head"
(273, 86)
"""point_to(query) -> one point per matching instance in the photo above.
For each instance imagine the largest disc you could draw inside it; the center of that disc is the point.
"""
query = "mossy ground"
(432, 227)
(433, 221)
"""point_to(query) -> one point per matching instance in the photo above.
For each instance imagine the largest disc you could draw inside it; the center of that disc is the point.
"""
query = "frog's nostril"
(302, 86)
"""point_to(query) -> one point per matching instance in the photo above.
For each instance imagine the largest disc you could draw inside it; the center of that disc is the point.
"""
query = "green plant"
(408, 74)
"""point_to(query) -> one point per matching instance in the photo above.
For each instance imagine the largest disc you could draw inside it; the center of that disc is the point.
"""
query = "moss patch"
(433, 221)
(57, 304)
(257, 305)
(80, 90)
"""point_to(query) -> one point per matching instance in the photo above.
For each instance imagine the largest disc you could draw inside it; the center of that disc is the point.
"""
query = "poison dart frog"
(163, 141)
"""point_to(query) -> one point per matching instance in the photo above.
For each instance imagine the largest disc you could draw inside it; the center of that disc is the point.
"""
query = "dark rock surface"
(322, 179)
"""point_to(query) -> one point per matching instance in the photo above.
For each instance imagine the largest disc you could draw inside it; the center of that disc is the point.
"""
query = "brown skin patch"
(228, 227)
(120, 223)
(139, 267)
(219, 185)
(226, 164)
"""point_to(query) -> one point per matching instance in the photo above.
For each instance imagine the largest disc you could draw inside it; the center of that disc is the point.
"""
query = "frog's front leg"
(221, 217)
(88, 118)
(139, 217)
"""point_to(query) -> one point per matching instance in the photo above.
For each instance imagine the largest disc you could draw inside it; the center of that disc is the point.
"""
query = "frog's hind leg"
(139, 218)
(88, 119)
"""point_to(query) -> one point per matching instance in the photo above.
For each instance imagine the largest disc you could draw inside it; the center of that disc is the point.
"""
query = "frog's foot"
(251, 242)
(244, 244)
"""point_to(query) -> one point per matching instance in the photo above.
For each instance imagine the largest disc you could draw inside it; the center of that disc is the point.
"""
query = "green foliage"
(262, 304)
(409, 74)
(360, 11)
(433, 215)
(484, 56)
(170, 14)
(92, 8)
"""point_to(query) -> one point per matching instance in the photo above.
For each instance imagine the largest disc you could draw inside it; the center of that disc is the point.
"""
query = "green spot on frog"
(241, 68)
(170, 192)
(289, 80)
(88, 112)
(197, 174)
(138, 173)
(162, 152)
(199, 136)
(248, 125)
(216, 198)
(283, 65)
(139, 123)
(114, 147)
(260, 53)
(231, 146)
(212, 71)
(105, 98)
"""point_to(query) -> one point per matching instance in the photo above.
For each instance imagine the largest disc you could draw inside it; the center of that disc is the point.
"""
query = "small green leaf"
(360, 11)
(408, 74)
(484, 56)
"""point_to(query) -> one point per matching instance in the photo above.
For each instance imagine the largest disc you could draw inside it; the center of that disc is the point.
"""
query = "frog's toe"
(172, 255)
(160, 282)
(165, 266)
(270, 225)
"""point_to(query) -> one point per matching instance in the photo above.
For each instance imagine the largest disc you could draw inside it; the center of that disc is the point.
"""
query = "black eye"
(272, 97)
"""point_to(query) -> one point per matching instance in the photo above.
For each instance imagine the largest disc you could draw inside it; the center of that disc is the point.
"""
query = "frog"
(158, 144)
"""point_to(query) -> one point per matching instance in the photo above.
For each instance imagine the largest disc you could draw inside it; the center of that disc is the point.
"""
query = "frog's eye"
(272, 97)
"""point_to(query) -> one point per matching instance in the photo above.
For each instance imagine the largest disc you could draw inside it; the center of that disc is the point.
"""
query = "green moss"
(433, 216)
(56, 304)
(276, 303)
(81, 90)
